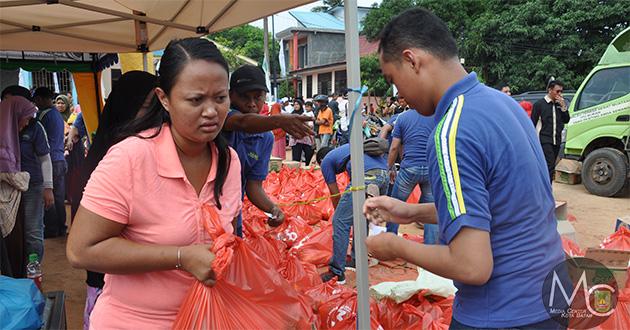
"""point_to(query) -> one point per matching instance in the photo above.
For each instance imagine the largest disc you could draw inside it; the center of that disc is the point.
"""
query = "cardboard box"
(615, 260)
(568, 171)
(275, 163)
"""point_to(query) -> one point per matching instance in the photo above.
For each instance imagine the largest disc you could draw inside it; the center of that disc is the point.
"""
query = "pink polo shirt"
(141, 183)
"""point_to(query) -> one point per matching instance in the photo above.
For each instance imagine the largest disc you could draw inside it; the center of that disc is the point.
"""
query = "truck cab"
(599, 131)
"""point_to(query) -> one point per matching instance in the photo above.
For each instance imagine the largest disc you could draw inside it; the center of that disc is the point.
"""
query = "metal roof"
(317, 20)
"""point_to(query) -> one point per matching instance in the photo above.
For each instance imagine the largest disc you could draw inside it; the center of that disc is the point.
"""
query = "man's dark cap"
(248, 78)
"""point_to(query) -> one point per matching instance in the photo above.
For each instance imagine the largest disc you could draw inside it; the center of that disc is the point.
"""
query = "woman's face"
(296, 106)
(61, 105)
(23, 122)
(198, 102)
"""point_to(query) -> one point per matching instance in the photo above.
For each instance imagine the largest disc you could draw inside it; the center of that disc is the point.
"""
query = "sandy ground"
(595, 216)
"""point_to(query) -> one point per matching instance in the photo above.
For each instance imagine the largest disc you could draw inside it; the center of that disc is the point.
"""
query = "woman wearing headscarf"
(62, 103)
(16, 111)
(130, 98)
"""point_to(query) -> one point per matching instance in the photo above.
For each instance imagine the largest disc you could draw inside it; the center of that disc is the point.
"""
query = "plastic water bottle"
(34, 270)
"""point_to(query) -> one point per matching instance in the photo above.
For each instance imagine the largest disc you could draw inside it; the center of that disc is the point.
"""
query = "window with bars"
(44, 78)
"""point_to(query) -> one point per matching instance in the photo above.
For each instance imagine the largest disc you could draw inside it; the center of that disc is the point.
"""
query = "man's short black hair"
(416, 28)
(554, 83)
(44, 92)
(16, 90)
(321, 154)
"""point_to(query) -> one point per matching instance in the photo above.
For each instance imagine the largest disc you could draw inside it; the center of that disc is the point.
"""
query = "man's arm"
(385, 130)
(295, 125)
(394, 150)
(393, 210)
(535, 114)
(334, 190)
(564, 115)
(467, 259)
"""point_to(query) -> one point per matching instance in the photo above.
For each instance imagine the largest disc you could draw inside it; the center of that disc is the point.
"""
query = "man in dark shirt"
(552, 113)
(55, 217)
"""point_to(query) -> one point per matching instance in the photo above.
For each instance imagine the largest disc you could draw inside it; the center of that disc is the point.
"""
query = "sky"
(284, 20)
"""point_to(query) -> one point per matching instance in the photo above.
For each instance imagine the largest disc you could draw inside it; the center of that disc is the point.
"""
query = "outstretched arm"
(295, 125)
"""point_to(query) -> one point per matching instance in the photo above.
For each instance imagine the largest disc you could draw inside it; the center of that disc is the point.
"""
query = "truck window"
(605, 85)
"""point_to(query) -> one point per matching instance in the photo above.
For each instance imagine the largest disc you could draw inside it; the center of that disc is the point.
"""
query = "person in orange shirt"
(325, 120)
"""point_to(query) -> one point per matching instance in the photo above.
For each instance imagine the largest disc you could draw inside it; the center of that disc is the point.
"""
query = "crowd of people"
(199, 136)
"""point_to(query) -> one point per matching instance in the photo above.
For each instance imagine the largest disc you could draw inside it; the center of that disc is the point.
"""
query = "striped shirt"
(488, 172)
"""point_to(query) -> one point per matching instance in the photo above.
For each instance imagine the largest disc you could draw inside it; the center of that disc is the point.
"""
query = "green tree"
(328, 4)
(521, 42)
(372, 77)
(285, 89)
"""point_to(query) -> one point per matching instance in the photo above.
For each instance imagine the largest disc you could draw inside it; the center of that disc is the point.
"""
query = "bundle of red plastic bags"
(249, 293)
(571, 248)
(620, 240)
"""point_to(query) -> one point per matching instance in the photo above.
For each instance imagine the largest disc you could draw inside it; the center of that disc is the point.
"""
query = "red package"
(249, 293)
(340, 312)
(263, 246)
(291, 231)
(620, 318)
(322, 292)
(414, 197)
(571, 248)
(316, 247)
(620, 240)
(302, 275)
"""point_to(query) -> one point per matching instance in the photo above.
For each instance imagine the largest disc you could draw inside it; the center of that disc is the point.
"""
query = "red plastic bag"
(265, 247)
(323, 292)
(340, 312)
(291, 231)
(316, 247)
(249, 293)
(620, 318)
(301, 274)
(414, 197)
(414, 238)
(571, 248)
(620, 240)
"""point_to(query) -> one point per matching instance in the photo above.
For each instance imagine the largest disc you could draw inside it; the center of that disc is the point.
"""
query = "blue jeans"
(325, 140)
(342, 221)
(406, 181)
(55, 217)
(33, 206)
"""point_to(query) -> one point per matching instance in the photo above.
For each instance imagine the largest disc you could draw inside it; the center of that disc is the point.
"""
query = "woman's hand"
(197, 260)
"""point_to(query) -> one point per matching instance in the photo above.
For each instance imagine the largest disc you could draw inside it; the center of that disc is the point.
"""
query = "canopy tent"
(108, 26)
(118, 26)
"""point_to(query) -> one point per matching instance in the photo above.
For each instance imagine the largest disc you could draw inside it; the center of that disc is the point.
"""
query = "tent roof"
(115, 26)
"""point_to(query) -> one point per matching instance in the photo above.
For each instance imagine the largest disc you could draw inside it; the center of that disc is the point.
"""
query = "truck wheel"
(604, 172)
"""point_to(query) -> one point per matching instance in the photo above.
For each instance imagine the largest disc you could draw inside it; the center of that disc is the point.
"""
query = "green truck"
(599, 131)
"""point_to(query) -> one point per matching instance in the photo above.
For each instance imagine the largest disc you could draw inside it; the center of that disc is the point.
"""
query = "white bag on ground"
(401, 291)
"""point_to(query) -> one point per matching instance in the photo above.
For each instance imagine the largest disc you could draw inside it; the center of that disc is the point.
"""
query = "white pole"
(145, 64)
(356, 156)
(266, 58)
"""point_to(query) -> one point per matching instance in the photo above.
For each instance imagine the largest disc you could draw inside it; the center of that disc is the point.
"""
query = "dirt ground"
(595, 216)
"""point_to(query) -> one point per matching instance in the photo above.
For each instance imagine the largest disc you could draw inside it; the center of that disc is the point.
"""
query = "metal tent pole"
(356, 156)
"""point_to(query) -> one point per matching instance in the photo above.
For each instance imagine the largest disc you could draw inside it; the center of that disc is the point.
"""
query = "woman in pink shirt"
(140, 219)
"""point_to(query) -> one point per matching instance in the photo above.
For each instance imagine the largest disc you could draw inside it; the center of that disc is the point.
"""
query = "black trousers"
(551, 152)
(300, 148)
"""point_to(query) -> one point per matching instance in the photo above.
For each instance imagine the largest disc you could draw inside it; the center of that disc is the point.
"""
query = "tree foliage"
(371, 75)
(328, 4)
(246, 40)
(521, 42)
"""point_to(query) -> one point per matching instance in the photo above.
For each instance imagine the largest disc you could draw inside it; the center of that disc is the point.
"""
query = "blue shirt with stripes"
(335, 160)
(413, 131)
(488, 172)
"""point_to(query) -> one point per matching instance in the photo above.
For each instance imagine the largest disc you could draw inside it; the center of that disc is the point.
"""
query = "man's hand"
(382, 246)
(562, 103)
(277, 217)
(392, 176)
(296, 125)
(49, 198)
(384, 208)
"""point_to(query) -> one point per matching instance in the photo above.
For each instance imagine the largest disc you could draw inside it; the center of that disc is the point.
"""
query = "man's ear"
(409, 57)
(162, 98)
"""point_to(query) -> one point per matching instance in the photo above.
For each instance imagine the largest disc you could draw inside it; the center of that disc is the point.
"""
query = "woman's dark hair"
(177, 54)
(301, 103)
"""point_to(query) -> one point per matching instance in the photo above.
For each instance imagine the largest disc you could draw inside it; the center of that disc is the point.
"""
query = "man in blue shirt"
(490, 183)
(336, 161)
(54, 218)
(249, 134)
(411, 133)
